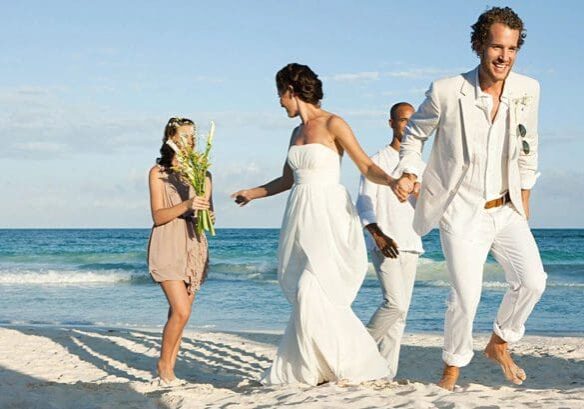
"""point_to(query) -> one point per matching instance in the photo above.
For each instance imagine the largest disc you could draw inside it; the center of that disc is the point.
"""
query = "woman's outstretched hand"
(242, 197)
(198, 203)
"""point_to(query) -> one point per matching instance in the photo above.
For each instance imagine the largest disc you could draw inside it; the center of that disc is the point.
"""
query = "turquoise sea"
(100, 277)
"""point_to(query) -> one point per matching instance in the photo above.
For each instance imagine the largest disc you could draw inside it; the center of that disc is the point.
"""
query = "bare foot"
(449, 377)
(497, 351)
(165, 372)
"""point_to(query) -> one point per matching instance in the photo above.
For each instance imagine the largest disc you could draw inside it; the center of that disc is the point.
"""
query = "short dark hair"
(303, 81)
(395, 107)
(503, 15)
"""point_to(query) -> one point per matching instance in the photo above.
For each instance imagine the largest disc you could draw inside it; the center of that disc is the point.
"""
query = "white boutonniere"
(522, 103)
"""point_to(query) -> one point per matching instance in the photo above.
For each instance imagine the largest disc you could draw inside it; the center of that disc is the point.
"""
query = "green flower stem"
(204, 222)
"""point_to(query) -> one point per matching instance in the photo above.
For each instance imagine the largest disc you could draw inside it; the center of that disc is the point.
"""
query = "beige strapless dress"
(175, 251)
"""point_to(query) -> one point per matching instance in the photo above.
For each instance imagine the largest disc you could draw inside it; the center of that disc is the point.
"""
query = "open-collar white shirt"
(494, 143)
(378, 204)
(487, 175)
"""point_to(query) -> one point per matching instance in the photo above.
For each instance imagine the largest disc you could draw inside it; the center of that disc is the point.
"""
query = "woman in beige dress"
(177, 256)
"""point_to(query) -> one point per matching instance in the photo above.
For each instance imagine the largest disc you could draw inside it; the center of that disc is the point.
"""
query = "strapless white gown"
(322, 264)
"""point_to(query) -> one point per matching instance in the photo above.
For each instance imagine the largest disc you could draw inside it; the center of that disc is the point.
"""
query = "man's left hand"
(386, 245)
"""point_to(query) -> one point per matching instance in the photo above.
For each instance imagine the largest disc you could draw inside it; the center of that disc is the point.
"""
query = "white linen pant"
(506, 234)
(386, 326)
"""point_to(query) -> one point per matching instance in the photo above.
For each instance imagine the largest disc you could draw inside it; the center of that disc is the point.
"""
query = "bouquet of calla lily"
(193, 166)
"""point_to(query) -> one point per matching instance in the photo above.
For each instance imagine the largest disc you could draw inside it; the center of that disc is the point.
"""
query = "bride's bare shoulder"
(335, 122)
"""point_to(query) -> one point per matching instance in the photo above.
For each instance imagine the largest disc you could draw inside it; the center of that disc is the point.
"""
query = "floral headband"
(178, 121)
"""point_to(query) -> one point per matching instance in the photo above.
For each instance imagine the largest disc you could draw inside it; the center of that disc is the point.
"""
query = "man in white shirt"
(393, 244)
(477, 185)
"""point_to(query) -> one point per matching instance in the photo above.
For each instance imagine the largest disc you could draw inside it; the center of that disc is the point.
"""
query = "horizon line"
(217, 228)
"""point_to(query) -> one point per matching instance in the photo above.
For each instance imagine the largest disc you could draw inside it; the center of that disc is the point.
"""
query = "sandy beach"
(89, 367)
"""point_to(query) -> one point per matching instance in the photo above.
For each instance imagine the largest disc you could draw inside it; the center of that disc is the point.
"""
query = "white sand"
(79, 367)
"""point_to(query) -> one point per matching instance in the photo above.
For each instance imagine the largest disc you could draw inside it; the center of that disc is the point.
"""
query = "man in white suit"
(389, 223)
(476, 187)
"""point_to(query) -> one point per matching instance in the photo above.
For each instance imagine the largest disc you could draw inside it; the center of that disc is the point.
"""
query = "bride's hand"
(198, 203)
(242, 197)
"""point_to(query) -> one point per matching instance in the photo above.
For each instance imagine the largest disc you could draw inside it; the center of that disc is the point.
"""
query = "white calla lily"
(193, 166)
(173, 146)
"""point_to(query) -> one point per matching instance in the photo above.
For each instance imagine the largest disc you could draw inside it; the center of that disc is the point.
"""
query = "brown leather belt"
(498, 202)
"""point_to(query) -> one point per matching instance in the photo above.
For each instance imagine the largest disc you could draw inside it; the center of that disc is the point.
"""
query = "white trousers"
(396, 276)
(506, 234)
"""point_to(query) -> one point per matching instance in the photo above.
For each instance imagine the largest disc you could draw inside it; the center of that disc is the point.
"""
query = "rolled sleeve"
(528, 180)
(367, 201)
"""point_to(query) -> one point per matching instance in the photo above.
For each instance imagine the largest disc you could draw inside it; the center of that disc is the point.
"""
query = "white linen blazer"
(450, 112)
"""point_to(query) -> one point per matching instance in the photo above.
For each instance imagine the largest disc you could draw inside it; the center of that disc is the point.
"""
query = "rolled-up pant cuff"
(458, 360)
(507, 334)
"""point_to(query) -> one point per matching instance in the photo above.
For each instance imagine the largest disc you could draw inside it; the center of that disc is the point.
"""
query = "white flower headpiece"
(173, 146)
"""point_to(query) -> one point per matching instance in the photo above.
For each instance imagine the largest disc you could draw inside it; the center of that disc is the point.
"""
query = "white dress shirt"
(487, 175)
(495, 137)
(378, 204)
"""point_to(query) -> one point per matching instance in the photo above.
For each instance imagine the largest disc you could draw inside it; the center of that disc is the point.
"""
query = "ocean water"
(100, 277)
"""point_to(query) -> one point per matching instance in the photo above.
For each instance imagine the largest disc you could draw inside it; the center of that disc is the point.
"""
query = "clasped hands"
(405, 186)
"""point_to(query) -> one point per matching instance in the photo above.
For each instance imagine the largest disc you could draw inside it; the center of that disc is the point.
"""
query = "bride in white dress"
(322, 256)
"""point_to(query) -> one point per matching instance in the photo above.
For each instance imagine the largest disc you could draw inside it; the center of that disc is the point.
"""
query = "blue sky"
(86, 89)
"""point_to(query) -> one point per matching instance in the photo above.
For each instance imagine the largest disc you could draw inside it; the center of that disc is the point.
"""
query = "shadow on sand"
(200, 361)
(18, 390)
(227, 364)
(424, 364)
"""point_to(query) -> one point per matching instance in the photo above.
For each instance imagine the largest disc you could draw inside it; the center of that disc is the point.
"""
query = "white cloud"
(409, 73)
(556, 136)
(209, 79)
(556, 199)
(40, 147)
(54, 199)
(428, 72)
(231, 177)
(266, 120)
(35, 121)
(364, 114)
(351, 77)
(533, 70)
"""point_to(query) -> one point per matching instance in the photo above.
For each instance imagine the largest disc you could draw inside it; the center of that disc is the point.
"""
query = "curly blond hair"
(503, 15)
